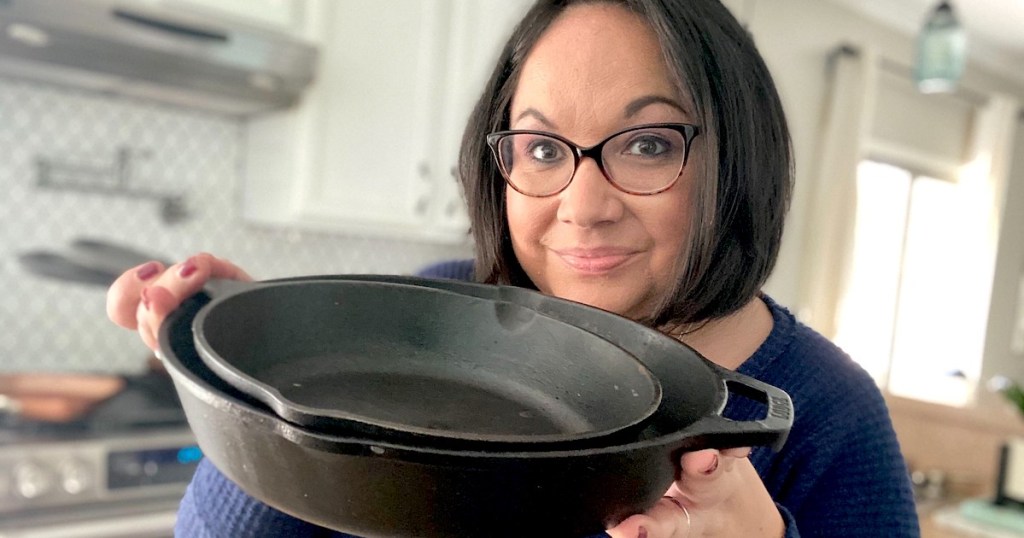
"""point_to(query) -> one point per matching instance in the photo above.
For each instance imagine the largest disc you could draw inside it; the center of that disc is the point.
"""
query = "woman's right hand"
(144, 295)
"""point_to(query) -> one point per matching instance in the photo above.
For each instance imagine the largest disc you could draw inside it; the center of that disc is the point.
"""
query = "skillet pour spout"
(374, 485)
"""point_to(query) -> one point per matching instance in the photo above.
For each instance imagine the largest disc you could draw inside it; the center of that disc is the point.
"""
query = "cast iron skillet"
(376, 487)
(403, 360)
(693, 388)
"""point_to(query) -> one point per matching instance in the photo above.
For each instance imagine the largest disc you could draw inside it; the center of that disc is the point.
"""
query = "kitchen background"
(57, 326)
(304, 189)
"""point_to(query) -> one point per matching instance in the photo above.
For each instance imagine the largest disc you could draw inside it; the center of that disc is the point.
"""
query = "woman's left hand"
(718, 493)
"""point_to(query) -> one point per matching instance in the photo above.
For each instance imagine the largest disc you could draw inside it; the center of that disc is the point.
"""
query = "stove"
(119, 472)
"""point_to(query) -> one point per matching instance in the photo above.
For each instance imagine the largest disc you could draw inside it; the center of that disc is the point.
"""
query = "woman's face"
(598, 69)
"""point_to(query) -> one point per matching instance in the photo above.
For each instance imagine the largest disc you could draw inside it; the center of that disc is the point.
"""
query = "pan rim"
(318, 440)
(664, 356)
(311, 417)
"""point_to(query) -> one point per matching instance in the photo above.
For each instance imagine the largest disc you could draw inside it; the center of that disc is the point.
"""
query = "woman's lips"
(595, 261)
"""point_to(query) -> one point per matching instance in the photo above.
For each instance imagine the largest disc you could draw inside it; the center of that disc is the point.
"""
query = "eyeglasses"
(644, 160)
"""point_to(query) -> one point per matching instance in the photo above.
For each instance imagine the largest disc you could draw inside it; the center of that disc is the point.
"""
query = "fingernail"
(714, 465)
(147, 271)
(145, 298)
(187, 268)
(642, 533)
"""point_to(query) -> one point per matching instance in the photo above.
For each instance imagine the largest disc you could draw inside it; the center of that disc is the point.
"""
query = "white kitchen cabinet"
(373, 146)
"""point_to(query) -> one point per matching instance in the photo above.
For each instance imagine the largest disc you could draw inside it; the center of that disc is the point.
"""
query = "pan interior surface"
(436, 401)
(420, 360)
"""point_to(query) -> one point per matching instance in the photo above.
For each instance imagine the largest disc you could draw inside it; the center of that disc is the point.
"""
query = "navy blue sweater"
(840, 473)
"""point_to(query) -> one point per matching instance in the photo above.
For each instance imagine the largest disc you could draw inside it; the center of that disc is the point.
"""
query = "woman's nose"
(590, 199)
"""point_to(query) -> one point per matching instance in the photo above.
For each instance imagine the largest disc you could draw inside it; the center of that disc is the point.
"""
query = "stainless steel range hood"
(143, 48)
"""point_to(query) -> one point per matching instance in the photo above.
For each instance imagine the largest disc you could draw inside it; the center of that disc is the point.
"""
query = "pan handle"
(721, 432)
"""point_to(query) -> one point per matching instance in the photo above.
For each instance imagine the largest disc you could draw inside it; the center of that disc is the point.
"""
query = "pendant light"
(941, 51)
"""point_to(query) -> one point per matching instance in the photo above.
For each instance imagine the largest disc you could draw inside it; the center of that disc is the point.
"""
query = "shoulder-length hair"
(736, 220)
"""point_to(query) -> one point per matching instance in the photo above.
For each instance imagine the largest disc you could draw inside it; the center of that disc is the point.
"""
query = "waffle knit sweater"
(840, 473)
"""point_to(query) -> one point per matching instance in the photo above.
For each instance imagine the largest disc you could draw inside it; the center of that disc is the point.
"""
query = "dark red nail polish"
(642, 533)
(145, 298)
(188, 268)
(147, 271)
(714, 465)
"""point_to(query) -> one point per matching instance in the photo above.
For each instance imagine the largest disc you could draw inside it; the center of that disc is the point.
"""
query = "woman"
(675, 221)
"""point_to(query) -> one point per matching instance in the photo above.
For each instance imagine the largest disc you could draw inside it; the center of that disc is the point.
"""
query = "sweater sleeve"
(864, 490)
(841, 472)
(214, 507)
(853, 488)
(847, 478)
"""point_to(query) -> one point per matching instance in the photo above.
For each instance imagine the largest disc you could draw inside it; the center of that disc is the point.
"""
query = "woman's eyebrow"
(631, 109)
(536, 114)
(638, 104)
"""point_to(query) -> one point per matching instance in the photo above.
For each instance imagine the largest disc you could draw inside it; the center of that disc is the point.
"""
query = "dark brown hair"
(738, 210)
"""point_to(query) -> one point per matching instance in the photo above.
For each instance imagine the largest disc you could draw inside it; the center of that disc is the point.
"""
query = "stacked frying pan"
(403, 406)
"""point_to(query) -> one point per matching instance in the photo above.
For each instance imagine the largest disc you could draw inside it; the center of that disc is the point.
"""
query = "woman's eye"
(544, 151)
(647, 146)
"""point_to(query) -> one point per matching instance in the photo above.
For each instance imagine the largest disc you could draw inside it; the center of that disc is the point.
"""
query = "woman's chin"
(601, 297)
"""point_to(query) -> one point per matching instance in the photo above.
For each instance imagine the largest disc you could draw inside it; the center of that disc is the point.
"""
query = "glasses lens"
(535, 164)
(645, 160)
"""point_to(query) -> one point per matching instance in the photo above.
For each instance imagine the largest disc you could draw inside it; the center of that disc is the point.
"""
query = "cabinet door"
(377, 92)
(373, 147)
(479, 29)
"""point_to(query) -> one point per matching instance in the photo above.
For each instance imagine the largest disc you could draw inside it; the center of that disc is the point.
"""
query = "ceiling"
(995, 28)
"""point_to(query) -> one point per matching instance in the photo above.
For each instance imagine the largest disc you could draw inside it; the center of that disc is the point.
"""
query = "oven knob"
(75, 476)
(32, 480)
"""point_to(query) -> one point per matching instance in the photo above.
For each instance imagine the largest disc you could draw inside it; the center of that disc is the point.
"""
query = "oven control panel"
(141, 465)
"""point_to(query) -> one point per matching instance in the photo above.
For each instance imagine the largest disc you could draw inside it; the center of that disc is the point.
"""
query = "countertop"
(944, 520)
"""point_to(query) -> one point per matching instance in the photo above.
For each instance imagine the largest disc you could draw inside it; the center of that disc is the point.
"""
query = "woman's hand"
(718, 494)
(143, 296)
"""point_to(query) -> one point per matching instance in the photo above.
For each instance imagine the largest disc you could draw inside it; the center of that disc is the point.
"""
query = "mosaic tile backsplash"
(69, 161)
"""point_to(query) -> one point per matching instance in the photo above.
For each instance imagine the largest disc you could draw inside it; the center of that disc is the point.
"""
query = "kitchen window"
(915, 286)
(904, 278)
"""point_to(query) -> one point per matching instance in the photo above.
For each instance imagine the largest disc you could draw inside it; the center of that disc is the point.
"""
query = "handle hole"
(745, 403)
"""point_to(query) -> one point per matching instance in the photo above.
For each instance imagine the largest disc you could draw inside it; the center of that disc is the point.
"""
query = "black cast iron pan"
(693, 388)
(385, 358)
(375, 487)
